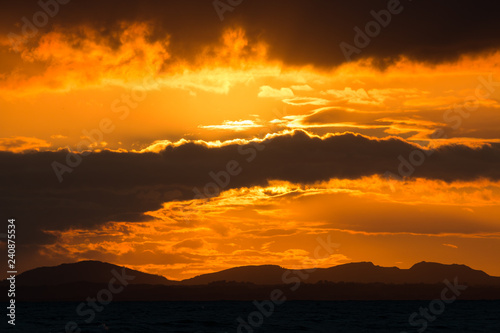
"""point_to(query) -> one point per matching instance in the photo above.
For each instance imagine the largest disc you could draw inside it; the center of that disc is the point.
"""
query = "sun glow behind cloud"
(239, 69)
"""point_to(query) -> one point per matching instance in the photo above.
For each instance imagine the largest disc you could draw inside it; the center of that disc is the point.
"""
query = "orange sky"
(231, 91)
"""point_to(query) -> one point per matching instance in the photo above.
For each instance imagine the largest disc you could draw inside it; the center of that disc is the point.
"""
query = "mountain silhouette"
(264, 274)
(423, 272)
(89, 271)
(353, 281)
(360, 272)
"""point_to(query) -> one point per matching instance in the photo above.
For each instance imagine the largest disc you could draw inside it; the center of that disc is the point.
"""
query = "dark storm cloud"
(298, 32)
(110, 186)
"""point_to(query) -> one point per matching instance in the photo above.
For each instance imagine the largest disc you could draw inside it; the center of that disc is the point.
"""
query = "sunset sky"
(155, 135)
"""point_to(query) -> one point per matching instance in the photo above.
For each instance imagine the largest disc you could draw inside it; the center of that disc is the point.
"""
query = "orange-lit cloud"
(280, 224)
(21, 143)
(52, 73)
(239, 125)
(267, 91)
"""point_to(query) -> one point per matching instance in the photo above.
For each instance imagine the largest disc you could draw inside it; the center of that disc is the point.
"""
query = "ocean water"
(291, 316)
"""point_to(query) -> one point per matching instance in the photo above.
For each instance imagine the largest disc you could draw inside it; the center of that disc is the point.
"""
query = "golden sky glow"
(396, 223)
(53, 81)
(233, 91)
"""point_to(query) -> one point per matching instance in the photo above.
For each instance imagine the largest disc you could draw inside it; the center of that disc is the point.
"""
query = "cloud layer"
(121, 186)
(298, 32)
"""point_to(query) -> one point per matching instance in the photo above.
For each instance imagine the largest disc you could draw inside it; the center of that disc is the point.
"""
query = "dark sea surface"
(291, 316)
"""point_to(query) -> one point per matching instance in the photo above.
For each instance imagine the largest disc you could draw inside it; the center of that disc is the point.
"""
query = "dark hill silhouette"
(361, 272)
(431, 272)
(84, 271)
(353, 281)
(423, 272)
(265, 274)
